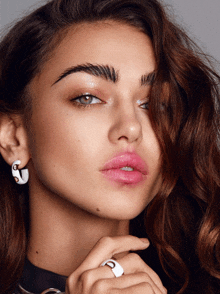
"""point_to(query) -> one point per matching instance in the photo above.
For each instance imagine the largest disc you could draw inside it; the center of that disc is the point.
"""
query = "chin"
(119, 213)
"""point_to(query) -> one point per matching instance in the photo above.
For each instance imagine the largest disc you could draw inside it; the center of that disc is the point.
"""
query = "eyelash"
(84, 105)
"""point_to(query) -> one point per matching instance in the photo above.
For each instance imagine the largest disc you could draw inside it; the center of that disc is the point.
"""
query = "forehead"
(107, 42)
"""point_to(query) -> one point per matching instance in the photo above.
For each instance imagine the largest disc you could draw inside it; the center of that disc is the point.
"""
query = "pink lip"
(112, 168)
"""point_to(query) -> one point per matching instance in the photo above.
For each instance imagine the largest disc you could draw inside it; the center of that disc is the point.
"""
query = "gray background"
(200, 18)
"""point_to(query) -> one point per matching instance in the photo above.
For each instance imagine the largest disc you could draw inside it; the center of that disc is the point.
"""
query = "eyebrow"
(148, 79)
(104, 71)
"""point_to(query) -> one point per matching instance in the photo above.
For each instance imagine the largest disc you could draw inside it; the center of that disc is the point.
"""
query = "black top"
(37, 280)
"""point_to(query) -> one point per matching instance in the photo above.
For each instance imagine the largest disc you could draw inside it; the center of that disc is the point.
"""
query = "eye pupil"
(86, 99)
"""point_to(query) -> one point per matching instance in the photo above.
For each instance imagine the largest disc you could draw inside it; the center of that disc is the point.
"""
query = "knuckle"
(106, 241)
(85, 278)
(100, 286)
(144, 276)
(146, 286)
(68, 284)
(134, 257)
(70, 281)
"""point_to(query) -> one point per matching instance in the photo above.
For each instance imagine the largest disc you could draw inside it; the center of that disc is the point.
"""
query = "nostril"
(123, 137)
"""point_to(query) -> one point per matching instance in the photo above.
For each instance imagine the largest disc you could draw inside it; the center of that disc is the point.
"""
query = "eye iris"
(86, 99)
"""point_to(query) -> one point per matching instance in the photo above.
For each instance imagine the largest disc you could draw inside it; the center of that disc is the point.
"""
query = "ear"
(13, 140)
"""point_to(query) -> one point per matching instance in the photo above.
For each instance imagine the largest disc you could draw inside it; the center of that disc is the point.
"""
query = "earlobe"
(13, 140)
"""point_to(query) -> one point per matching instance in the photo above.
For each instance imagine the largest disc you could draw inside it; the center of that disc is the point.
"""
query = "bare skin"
(65, 146)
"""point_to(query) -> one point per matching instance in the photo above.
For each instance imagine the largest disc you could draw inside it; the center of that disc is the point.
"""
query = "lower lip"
(124, 177)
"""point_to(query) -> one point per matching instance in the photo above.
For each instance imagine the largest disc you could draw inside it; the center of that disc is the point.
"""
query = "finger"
(88, 278)
(125, 282)
(132, 263)
(109, 246)
(142, 288)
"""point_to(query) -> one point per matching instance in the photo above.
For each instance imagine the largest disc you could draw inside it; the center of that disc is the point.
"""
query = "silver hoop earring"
(22, 178)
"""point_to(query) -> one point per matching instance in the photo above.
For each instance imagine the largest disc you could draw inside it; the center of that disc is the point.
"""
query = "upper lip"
(130, 159)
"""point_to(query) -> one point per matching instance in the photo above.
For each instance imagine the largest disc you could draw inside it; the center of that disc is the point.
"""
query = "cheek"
(63, 139)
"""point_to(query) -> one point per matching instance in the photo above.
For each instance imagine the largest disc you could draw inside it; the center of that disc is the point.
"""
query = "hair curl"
(184, 111)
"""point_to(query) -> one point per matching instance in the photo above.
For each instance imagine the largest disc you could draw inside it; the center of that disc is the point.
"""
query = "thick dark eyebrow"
(148, 79)
(104, 71)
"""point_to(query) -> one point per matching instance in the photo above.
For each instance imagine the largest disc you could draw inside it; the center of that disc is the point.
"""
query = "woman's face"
(90, 136)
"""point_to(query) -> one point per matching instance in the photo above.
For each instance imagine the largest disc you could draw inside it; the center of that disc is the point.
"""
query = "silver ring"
(116, 268)
(48, 291)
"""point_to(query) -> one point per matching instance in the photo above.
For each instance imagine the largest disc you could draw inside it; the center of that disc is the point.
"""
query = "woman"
(112, 119)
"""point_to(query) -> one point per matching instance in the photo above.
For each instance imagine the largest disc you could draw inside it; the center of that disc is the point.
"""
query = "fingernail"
(145, 241)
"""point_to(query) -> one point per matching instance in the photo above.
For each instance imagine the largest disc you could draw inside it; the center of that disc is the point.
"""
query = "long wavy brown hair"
(184, 111)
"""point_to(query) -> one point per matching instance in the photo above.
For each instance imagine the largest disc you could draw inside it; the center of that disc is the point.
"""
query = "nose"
(126, 126)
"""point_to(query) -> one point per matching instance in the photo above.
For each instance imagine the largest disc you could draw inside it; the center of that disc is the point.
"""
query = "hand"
(138, 278)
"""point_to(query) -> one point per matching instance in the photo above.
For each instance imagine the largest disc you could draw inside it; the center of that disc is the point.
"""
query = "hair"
(184, 112)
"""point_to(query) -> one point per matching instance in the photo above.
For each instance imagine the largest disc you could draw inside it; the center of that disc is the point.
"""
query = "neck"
(61, 234)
